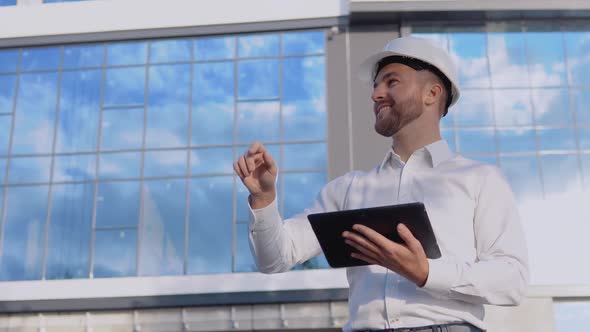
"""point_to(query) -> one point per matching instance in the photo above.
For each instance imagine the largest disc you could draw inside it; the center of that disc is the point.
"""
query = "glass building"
(122, 152)
(119, 207)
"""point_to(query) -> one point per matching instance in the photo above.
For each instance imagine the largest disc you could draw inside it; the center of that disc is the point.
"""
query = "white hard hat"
(416, 48)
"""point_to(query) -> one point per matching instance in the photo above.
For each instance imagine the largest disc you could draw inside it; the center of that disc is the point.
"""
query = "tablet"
(329, 226)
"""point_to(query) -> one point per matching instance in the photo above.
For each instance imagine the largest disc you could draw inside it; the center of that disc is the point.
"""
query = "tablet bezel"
(329, 226)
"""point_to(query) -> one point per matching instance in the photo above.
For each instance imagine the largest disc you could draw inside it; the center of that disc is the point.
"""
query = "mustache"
(378, 106)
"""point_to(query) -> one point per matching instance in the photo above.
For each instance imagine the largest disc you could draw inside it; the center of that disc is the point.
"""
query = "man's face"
(397, 99)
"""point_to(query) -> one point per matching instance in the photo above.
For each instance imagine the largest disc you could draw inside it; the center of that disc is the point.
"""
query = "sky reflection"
(142, 135)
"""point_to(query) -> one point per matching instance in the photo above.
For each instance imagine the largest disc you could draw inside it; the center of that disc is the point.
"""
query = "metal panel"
(353, 143)
(167, 301)
(338, 103)
(369, 148)
(321, 316)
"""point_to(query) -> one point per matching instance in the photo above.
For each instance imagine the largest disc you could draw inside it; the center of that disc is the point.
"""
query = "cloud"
(40, 58)
(250, 85)
(213, 82)
(25, 216)
(305, 42)
(212, 160)
(116, 165)
(258, 121)
(304, 120)
(304, 103)
(304, 78)
(474, 108)
(175, 158)
(170, 50)
(169, 82)
(167, 123)
(29, 169)
(212, 123)
(74, 168)
(35, 112)
(79, 111)
(162, 241)
(258, 45)
(109, 167)
(5, 104)
(578, 57)
(126, 53)
(7, 84)
(85, 55)
(304, 156)
(114, 253)
(122, 128)
(124, 86)
(168, 115)
(512, 107)
(209, 48)
(165, 137)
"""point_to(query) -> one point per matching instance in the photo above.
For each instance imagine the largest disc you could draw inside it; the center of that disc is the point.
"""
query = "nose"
(379, 92)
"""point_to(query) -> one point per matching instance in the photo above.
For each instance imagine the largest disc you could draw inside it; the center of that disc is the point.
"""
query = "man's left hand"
(408, 260)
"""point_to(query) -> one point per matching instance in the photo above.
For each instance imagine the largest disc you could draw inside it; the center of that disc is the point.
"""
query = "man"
(470, 205)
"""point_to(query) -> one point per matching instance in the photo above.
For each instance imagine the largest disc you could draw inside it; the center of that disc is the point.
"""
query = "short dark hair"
(418, 65)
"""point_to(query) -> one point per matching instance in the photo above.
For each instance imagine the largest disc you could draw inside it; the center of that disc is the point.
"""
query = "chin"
(386, 131)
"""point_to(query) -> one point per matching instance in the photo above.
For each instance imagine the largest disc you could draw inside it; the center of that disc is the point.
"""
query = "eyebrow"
(387, 76)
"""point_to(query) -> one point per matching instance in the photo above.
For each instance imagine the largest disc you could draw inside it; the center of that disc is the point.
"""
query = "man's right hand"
(258, 172)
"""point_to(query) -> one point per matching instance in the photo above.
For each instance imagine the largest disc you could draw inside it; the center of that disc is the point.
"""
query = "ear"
(432, 93)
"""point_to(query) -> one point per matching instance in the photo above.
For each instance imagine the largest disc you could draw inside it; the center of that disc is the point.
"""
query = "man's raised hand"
(258, 171)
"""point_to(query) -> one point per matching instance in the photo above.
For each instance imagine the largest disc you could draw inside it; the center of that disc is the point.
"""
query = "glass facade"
(524, 108)
(116, 158)
(571, 316)
(7, 3)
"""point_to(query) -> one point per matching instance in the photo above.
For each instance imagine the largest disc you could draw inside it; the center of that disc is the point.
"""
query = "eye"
(391, 82)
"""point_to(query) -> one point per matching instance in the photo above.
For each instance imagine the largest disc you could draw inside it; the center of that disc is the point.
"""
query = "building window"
(524, 107)
(571, 316)
(116, 158)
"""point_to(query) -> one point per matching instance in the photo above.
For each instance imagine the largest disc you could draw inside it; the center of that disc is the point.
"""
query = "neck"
(414, 136)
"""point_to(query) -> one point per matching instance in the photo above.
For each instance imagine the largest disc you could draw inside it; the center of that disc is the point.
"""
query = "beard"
(390, 122)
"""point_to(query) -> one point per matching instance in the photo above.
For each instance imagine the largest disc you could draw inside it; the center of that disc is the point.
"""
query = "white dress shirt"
(474, 217)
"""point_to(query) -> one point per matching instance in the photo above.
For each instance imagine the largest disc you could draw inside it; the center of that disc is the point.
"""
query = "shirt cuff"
(265, 217)
(441, 275)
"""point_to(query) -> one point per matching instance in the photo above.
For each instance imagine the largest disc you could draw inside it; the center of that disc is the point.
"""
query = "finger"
(258, 159)
(360, 241)
(243, 167)
(255, 148)
(250, 161)
(238, 171)
(379, 240)
(364, 258)
(365, 251)
(270, 162)
(406, 235)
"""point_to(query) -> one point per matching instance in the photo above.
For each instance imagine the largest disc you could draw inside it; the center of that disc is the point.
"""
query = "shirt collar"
(438, 152)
